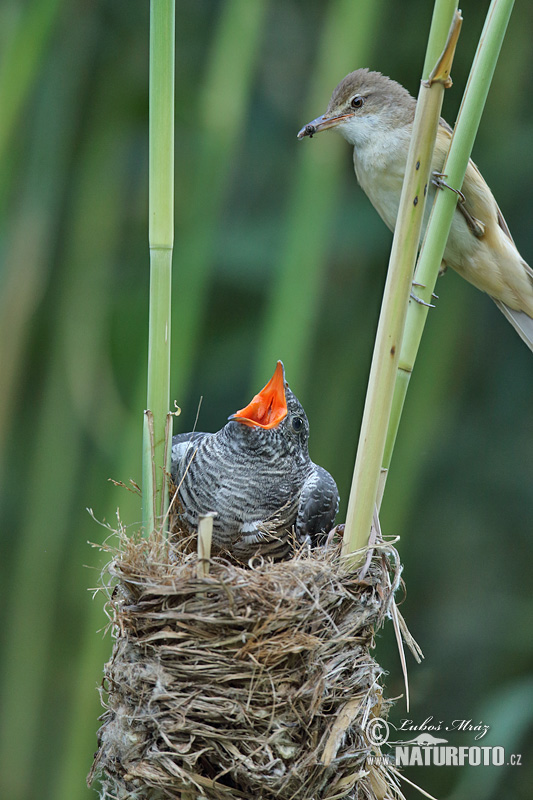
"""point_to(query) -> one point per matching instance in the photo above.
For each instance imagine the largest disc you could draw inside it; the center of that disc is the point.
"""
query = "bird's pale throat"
(268, 408)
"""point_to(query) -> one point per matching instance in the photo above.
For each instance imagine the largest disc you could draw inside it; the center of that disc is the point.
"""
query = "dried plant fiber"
(253, 682)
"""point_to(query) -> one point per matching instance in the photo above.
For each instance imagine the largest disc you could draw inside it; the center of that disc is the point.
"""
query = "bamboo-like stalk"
(161, 239)
(407, 233)
(440, 221)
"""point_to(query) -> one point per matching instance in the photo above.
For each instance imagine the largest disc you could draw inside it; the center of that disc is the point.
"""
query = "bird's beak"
(269, 407)
(321, 124)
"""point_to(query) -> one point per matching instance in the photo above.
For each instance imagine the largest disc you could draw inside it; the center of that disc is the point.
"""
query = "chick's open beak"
(269, 407)
(321, 124)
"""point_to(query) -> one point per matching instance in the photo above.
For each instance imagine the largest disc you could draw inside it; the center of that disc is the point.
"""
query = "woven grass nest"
(254, 681)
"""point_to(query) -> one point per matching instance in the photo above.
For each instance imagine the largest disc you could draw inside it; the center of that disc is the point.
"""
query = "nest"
(253, 682)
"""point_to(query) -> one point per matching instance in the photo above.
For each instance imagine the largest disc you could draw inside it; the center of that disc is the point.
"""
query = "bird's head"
(274, 413)
(364, 105)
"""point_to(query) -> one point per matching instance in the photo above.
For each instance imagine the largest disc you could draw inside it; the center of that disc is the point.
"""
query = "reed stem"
(161, 240)
(443, 210)
(379, 398)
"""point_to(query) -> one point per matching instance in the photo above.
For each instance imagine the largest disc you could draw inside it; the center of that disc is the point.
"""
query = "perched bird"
(256, 474)
(375, 114)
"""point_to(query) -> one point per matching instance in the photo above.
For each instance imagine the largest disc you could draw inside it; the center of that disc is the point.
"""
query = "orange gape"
(269, 407)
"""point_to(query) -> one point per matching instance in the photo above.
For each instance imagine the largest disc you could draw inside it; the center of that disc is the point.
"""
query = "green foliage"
(73, 317)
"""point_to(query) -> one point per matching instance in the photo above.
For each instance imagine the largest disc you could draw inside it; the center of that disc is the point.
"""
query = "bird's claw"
(438, 181)
(422, 302)
(475, 225)
(423, 286)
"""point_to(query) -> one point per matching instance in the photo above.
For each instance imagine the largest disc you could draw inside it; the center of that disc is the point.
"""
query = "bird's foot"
(423, 286)
(437, 179)
(475, 225)
(419, 300)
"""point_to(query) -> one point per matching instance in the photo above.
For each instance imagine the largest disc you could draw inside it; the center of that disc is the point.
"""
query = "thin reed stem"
(378, 404)
(443, 210)
(161, 238)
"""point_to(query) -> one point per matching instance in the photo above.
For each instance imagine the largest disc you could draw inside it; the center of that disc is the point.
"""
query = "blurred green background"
(278, 255)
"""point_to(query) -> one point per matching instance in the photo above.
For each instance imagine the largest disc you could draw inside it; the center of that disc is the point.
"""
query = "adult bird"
(375, 115)
(256, 475)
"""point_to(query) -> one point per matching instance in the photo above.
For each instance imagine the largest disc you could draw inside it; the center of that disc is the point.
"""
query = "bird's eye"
(297, 424)
(357, 101)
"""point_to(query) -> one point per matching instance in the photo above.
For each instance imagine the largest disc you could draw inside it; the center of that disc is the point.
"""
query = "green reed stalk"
(379, 398)
(161, 237)
(440, 221)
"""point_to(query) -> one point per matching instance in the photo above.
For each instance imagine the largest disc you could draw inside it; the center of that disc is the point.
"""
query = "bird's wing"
(182, 451)
(446, 126)
(521, 322)
(478, 204)
(319, 503)
(502, 223)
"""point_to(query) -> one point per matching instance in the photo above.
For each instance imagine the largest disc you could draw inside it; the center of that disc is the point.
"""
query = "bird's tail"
(521, 322)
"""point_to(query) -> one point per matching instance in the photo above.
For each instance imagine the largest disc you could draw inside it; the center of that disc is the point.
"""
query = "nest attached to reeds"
(253, 682)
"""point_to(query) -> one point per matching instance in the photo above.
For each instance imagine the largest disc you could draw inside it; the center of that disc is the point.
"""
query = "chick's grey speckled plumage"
(260, 482)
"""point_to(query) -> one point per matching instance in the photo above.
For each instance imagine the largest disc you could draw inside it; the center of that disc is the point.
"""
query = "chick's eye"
(297, 424)
(357, 101)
